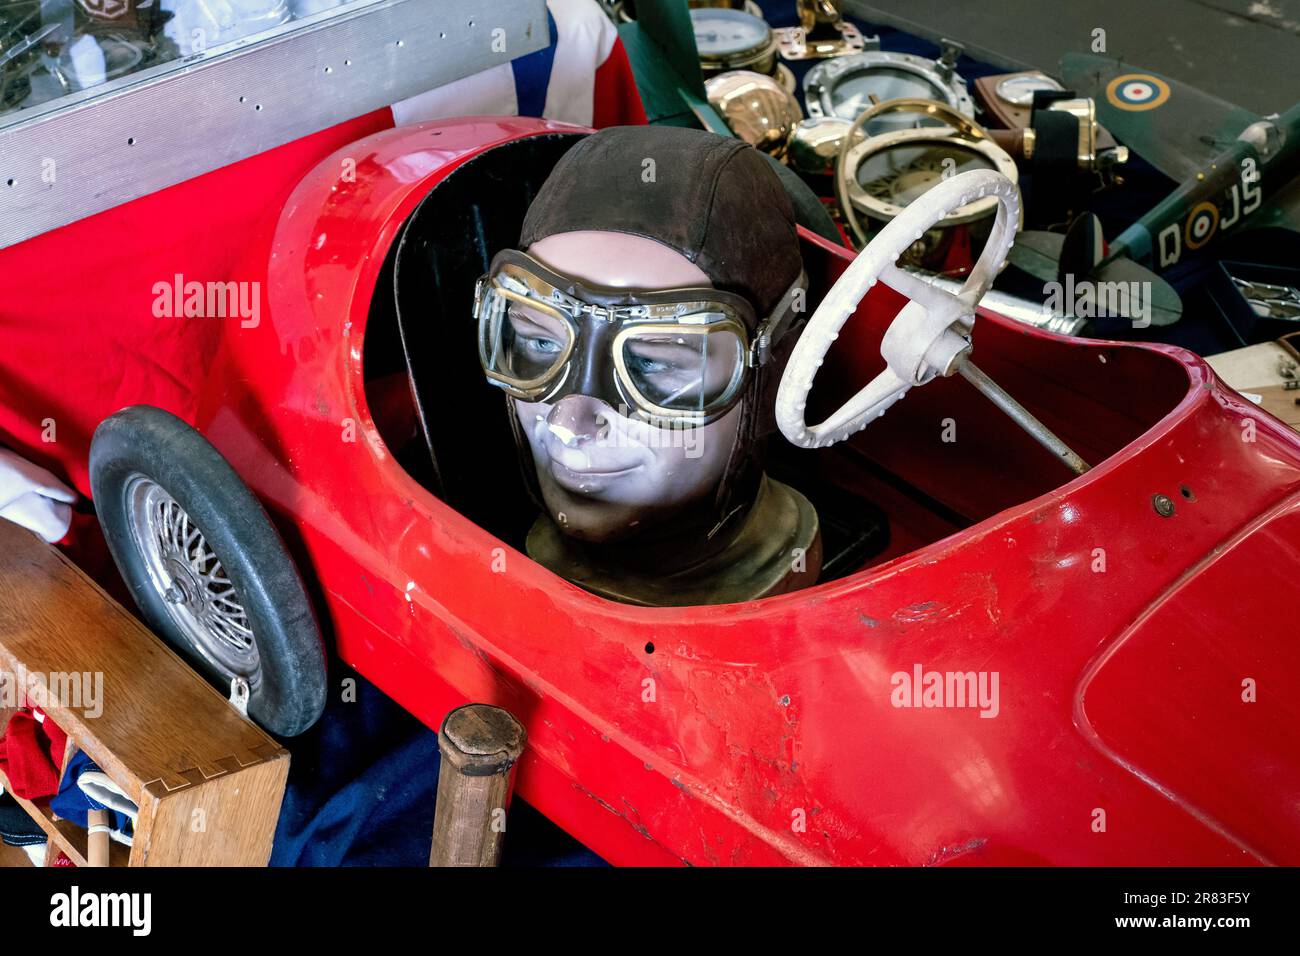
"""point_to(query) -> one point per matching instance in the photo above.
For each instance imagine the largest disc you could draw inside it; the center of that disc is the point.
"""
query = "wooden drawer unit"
(208, 782)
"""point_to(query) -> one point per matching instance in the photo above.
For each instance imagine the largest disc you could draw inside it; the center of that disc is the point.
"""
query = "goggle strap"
(773, 328)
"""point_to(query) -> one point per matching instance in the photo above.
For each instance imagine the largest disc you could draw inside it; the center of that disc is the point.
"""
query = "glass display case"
(52, 49)
(102, 101)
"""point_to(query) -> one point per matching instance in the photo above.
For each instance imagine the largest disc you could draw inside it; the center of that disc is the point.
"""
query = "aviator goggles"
(674, 357)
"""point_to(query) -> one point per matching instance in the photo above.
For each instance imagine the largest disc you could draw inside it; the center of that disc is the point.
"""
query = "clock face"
(722, 32)
(901, 174)
(848, 87)
(1019, 90)
(852, 97)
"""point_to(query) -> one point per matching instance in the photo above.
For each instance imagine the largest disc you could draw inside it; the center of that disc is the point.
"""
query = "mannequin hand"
(32, 497)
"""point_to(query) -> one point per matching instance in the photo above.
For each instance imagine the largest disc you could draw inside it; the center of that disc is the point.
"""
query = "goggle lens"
(685, 370)
(677, 357)
(522, 340)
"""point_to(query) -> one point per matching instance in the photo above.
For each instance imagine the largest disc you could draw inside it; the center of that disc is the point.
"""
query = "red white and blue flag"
(582, 77)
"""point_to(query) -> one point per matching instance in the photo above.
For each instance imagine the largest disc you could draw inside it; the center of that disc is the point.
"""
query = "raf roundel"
(1202, 222)
(1137, 92)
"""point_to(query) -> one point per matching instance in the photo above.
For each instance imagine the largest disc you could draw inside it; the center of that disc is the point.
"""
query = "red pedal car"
(1123, 643)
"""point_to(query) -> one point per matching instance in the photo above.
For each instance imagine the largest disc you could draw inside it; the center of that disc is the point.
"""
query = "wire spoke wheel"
(208, 569)
(199, 595)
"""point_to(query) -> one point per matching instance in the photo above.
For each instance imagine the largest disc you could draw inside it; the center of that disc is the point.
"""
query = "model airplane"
(1236, 171)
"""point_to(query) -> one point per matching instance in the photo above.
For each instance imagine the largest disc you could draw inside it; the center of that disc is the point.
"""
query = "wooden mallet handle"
(480, 745)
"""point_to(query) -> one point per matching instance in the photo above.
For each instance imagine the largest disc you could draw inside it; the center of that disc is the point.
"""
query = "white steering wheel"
(927, 337)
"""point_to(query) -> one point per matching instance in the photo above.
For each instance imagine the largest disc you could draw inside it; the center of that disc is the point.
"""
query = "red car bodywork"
(1125, 642)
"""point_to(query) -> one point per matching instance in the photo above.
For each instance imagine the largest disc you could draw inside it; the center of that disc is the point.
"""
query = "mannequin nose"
(578, 420)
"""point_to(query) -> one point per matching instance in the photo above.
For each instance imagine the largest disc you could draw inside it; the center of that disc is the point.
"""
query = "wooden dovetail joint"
(222, 766)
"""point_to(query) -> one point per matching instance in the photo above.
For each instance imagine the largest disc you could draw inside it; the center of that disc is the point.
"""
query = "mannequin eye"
(528, 343)
(652, 356)
(647, 366)
(536, 331)
(541, 344)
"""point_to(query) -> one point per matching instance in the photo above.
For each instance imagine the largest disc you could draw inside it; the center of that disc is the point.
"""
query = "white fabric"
(85, 61)
(489, 93)
(34, 498)
(98, 786)
(584, 38)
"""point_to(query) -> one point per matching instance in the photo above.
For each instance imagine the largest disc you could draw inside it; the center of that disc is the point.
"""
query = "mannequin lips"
(602, 476)
(589, 481)
(584, 468)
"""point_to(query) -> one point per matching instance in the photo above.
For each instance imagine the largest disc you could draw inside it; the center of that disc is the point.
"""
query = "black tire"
(142, 449)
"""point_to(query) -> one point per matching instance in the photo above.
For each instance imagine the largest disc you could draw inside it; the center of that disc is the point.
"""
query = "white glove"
(85, 61)
(32, 497)
(99, 787)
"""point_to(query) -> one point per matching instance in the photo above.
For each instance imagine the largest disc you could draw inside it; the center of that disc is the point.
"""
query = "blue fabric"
(16, 827)
(533, 75)
(361, 791)
(72, 804)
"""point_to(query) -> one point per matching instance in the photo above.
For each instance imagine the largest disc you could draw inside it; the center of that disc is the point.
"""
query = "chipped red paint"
(1120, 690)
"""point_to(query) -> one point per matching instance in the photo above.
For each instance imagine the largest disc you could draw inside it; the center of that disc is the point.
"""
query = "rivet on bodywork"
(1164, 505)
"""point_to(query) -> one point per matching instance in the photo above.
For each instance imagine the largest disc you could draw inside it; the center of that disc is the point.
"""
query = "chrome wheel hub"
(196, 590)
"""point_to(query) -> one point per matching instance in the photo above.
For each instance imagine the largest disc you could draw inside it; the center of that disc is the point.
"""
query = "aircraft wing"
(1174, 127)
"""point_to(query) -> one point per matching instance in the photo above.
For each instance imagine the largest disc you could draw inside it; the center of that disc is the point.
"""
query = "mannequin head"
(634, 329)
(603, 473)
